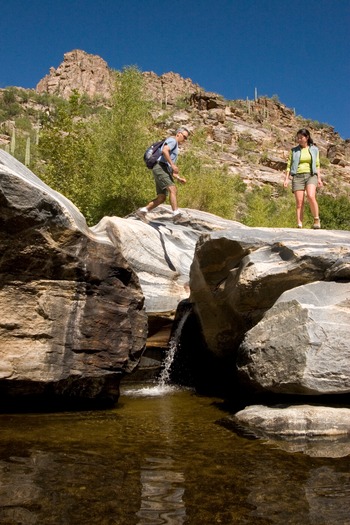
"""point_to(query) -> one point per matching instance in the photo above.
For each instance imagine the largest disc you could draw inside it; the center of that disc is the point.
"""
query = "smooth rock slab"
(161, 251)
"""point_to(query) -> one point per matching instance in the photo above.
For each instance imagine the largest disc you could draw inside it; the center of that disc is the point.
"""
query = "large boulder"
(237, 275)
(72, 311)
(232, 276)
(161, 253)
(302, 345)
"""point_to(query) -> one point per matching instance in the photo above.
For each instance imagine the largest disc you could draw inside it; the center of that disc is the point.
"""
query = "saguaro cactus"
(13, 142)
(27, 155)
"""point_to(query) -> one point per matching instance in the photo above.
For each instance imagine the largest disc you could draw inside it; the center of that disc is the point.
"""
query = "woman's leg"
(299, 201)
(311, 197)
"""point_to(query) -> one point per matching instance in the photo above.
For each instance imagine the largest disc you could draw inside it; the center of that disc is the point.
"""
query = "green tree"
(97, 162)
(65, 148)
(121, 136)
(9, 105)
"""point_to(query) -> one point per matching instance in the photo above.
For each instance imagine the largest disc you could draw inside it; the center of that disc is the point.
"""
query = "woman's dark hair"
(306, 133)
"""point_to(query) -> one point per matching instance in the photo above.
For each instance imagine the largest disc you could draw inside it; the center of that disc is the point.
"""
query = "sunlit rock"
(161, 251)
(316, 431)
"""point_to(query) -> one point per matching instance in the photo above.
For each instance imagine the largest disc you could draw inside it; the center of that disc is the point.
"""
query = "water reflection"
(321, 447)
(160, 460)
(162, 492)
(320, 490)
(162, 485)
(19, 494)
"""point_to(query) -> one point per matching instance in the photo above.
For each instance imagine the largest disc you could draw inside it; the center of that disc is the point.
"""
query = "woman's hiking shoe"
(317, 223)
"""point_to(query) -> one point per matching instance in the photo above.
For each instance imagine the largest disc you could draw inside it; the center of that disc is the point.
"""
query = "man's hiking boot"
(141, 215)
(180, 218)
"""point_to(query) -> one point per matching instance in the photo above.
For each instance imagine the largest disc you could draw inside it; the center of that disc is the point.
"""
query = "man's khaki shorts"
(162, 178)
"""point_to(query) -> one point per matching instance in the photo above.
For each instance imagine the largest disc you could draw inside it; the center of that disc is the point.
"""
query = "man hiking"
(165, 172)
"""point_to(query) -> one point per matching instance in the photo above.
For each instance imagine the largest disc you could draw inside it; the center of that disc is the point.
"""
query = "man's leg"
(158, 174)
(156, 202)
(173, 197)
(142, 212)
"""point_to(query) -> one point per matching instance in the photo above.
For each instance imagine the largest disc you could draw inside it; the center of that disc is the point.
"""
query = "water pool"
(160, 457)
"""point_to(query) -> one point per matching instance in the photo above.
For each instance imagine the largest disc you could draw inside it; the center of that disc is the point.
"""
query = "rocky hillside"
(249, 138)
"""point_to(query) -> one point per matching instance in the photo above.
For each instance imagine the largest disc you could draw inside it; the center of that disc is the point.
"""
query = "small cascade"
(163, 385)
(174, 343)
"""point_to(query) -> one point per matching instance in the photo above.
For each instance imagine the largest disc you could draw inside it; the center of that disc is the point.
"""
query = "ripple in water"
(162, 493)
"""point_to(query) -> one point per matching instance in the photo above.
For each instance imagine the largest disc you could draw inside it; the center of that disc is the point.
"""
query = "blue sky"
(297, 50)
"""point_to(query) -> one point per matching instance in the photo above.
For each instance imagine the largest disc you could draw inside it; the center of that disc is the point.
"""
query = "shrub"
(334, 212)
(208, 189)
(265, 211)
(199, 138)
(324, 162)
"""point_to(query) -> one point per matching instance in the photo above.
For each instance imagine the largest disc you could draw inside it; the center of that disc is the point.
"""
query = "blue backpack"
(152, 153)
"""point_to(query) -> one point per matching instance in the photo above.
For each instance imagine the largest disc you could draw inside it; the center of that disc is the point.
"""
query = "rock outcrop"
(273, 301)
(72, 317)
(161, 253)
(81, 72)
(169, 88)
(90, 75)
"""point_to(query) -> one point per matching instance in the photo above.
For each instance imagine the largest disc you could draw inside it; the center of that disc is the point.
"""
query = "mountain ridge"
(249, 138)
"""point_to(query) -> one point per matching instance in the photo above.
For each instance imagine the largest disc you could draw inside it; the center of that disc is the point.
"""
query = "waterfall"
(173, 346)
(163, 385)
